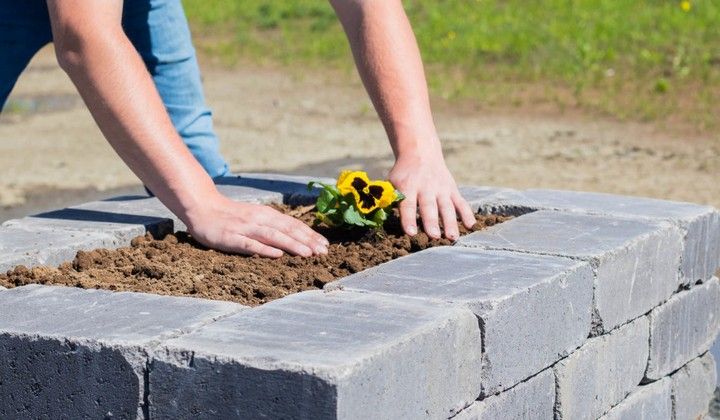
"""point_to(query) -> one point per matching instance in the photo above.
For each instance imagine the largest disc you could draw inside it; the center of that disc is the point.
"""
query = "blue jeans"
(159, 31)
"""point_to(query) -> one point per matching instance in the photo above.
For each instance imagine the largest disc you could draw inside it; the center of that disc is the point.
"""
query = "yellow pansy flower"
(369, 195)
(685, 5)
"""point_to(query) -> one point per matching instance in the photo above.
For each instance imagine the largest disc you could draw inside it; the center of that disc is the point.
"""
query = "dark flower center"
(367, 201)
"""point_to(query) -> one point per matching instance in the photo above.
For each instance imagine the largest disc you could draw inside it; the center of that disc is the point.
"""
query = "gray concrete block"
(78, 353)
(133, 206)
(693, 387)
(32, 247)
(602, 372)
(636, 262)
(533, 309)
(700, 224)
(293, 188)
(479, 197)
(323, 355)
(647, 402)
(683, 328)
(529, 400)
(123, 226)
(2, 288)
(506, 202)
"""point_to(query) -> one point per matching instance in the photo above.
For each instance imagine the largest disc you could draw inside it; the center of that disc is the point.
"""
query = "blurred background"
(605, 95)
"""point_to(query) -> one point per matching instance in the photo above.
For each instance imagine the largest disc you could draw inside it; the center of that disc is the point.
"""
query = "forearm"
(388, 60)
(122, 98)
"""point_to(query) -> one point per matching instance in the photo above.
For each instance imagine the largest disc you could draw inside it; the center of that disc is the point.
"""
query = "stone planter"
(585, 306)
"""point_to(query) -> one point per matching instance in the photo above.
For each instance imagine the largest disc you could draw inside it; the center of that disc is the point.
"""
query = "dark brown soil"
(177, 265)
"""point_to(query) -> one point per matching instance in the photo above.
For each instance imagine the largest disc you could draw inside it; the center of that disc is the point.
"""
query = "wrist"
(420, 150)
(414, 142)
(194, 204)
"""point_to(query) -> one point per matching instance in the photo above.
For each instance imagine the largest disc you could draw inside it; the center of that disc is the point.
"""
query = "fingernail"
(434, 233)
(412, 230)
(325, 242)
(321, 249)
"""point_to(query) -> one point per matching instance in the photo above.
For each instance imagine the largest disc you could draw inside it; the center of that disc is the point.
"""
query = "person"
(135, 67)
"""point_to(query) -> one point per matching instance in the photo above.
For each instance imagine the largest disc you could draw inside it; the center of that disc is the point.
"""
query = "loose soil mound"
(179, 266)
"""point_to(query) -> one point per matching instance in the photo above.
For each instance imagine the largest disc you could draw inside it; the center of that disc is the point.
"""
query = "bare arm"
(388, 59)
(111, 77)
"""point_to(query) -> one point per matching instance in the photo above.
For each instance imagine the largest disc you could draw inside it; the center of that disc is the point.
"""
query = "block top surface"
(103, 315)
(83, 219)
(569, 234)
(319, 329)
(619, 205)
(462, 274)
(16, 239)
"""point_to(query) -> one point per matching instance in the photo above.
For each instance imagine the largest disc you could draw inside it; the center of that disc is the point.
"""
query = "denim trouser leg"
(24, 29)
(160, 33)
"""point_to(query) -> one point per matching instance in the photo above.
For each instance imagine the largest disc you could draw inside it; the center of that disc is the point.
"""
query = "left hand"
(427, 182)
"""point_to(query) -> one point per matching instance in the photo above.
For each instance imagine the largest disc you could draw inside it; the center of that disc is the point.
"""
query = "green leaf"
(333, 189)
(353, 217)
(326, 201)
(399, 196)
(379, 217)
(323, 218)
(327, 187)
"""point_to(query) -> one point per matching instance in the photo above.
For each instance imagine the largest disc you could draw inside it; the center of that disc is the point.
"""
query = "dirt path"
(272, 120)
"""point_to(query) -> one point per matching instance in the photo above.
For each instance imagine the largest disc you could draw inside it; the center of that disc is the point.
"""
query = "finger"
(429, 215)
(247, 246)
(305, 235)
(408, 213)
(276, 238)
(295, 229)
(301, 232)
(449, 217)
(467, 215)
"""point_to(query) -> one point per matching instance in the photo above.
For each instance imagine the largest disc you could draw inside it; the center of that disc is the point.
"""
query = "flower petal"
(388, 194)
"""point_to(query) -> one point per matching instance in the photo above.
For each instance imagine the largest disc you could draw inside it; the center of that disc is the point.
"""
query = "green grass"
(639, 60)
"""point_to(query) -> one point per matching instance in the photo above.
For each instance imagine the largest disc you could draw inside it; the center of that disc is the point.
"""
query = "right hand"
(249, 229)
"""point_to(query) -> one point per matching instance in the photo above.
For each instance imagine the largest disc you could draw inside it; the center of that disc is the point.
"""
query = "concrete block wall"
(584, 306)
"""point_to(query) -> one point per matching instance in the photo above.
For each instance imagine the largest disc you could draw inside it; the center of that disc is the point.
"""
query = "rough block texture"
(532, 399)
(82, 353)
(646, 402)
(693, 387)
(533, 309)
(636, 262)
(683, 328)
(602, 372)
(33, 247)
(479, 196)
(700, 224)
(323, 355)
(508, 202)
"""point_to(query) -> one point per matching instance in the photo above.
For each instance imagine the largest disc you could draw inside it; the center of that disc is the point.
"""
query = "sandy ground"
(51, 152)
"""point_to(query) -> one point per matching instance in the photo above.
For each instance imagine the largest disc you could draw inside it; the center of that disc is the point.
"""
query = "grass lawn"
(648, 60)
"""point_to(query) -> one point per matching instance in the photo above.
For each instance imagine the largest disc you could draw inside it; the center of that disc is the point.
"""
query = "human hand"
(249, 229)
(427, 182)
